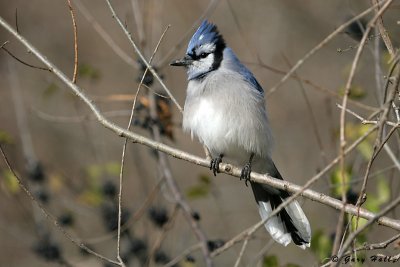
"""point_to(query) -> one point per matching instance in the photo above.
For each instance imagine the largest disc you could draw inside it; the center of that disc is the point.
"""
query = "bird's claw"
(245, 174)
(214, 165)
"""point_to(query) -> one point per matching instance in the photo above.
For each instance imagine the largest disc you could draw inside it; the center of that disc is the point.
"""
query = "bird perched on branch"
(224, 109)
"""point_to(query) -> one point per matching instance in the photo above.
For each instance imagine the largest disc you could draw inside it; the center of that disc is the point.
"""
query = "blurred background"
(71, 163)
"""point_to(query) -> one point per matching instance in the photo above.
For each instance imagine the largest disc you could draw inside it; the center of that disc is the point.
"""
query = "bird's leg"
(245, 174)
(214, 165)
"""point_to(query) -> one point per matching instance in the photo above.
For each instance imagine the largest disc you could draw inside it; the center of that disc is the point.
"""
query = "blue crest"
(207, 33)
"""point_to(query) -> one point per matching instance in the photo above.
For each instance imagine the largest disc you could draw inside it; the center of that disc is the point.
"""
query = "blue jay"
(224, 109)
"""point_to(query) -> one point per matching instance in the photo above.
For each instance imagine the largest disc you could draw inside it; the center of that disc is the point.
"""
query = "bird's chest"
(205, 119)
(211, 122)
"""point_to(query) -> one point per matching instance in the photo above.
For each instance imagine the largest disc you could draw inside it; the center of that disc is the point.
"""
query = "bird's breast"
(205, 120)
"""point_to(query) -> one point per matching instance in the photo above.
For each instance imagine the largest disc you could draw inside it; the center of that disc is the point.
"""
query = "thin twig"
(246, 241)
(364, 120)
(383, 32)
(71, 10)
(20, 60)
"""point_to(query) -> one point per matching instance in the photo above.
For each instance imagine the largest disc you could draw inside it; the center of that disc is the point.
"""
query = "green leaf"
(5, 138)
(270, 261)
(321, 245)
(339, 184)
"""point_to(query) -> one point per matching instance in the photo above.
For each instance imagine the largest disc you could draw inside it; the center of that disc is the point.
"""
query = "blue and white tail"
(290, 224)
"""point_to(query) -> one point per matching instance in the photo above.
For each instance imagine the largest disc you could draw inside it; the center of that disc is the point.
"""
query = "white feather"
(274, 225)
(205, 48)
(300, 221)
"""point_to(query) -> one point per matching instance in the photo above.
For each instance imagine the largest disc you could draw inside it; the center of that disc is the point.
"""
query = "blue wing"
(249, 77)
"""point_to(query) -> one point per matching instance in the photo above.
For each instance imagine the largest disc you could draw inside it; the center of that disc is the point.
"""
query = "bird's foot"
(245, 174)
(246, 171)
(214, 165)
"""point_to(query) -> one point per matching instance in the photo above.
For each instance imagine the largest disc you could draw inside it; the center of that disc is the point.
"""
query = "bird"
(225, 109)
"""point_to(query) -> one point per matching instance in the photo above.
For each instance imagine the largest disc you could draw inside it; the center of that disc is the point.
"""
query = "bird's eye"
(203, 55)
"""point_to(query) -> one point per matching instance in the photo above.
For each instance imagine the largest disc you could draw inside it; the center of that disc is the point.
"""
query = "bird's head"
(204, 53)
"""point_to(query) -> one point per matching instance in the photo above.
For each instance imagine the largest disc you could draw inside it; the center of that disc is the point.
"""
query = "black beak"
(182, 62)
